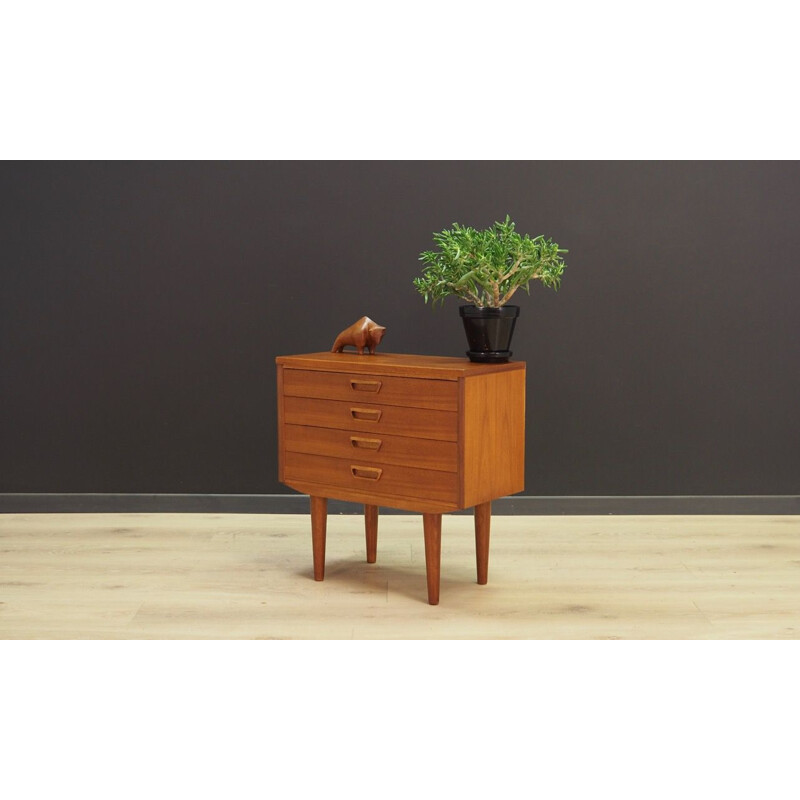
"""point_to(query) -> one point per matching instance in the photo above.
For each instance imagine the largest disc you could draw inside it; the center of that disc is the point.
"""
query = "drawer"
(383, 389)
(419, 423)
(389, 479)
(372, 448)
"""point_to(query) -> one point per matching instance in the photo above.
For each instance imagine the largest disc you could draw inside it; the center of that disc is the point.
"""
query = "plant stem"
(507, 295)
(512, 270)
(467, 295)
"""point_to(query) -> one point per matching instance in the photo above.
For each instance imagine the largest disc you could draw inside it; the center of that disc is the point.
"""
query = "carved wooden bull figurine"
(361, 334)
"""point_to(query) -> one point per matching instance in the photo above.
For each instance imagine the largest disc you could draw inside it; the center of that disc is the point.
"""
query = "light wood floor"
(224, 576)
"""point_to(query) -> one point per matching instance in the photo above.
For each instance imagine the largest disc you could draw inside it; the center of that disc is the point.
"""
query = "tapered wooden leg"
(432, 525)
(371, 527)
(319, 524)
(483, 518)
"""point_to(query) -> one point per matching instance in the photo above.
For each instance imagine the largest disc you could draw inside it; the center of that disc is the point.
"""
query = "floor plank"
(235, 576)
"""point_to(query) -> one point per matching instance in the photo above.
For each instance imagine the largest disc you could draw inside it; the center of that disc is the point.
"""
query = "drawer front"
(358, 475)
(386, 390)
(419, 423)
(372, 448)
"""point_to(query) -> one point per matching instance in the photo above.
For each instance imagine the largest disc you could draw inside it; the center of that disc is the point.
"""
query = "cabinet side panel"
(494, 436)
(461, 439)
(280, 424)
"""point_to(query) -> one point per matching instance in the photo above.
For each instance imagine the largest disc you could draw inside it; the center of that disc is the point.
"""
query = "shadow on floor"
(376, 579)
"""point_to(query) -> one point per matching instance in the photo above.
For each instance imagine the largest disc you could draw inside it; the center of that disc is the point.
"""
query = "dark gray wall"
(143, 304)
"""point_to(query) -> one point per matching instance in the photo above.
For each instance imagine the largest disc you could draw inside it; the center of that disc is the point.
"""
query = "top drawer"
(383, 389)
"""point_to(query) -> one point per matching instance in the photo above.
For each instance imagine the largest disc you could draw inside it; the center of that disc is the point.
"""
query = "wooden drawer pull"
(368, 473)
(365, 386)
(366, 444)
(371, 414)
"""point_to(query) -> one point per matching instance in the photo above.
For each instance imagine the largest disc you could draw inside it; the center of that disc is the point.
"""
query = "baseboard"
(34, 503)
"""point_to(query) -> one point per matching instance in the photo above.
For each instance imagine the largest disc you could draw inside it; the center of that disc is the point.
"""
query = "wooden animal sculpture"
(361, 334)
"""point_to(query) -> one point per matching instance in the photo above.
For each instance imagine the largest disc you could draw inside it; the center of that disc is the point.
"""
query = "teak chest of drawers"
(423, 433)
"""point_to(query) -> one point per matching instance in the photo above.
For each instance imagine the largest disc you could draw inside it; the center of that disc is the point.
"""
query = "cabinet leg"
(432, 526)
(483, 518)
(371, 527)
(319, 524)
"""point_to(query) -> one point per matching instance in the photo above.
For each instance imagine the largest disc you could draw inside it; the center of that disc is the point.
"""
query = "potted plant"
(486, 268)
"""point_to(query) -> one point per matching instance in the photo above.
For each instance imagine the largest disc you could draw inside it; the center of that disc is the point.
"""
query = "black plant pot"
(489, 332)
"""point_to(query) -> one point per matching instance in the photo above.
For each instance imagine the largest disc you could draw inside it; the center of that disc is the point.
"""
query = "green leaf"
(470, 264)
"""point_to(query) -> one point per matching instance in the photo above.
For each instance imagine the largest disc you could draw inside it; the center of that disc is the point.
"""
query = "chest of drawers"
(423, 433)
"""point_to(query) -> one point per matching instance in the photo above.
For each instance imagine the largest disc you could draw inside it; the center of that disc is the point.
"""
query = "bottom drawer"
(388, 479)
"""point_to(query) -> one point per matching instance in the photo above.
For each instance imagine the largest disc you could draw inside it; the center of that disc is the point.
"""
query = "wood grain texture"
(372, 496)
(388, 479)
(402, 364)
(363, 334)
(319, 523)
(371, 418)
(483, 521)
(384, 389)
(493, 436)
(342, 438)
(247, 576)
(281, 442)
(432, 530)
(372, 447)
(371, 531)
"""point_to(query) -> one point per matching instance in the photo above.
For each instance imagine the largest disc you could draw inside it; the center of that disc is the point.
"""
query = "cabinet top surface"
(403, 364)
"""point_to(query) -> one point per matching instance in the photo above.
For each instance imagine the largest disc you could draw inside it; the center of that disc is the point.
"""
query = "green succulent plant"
(486, 267)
